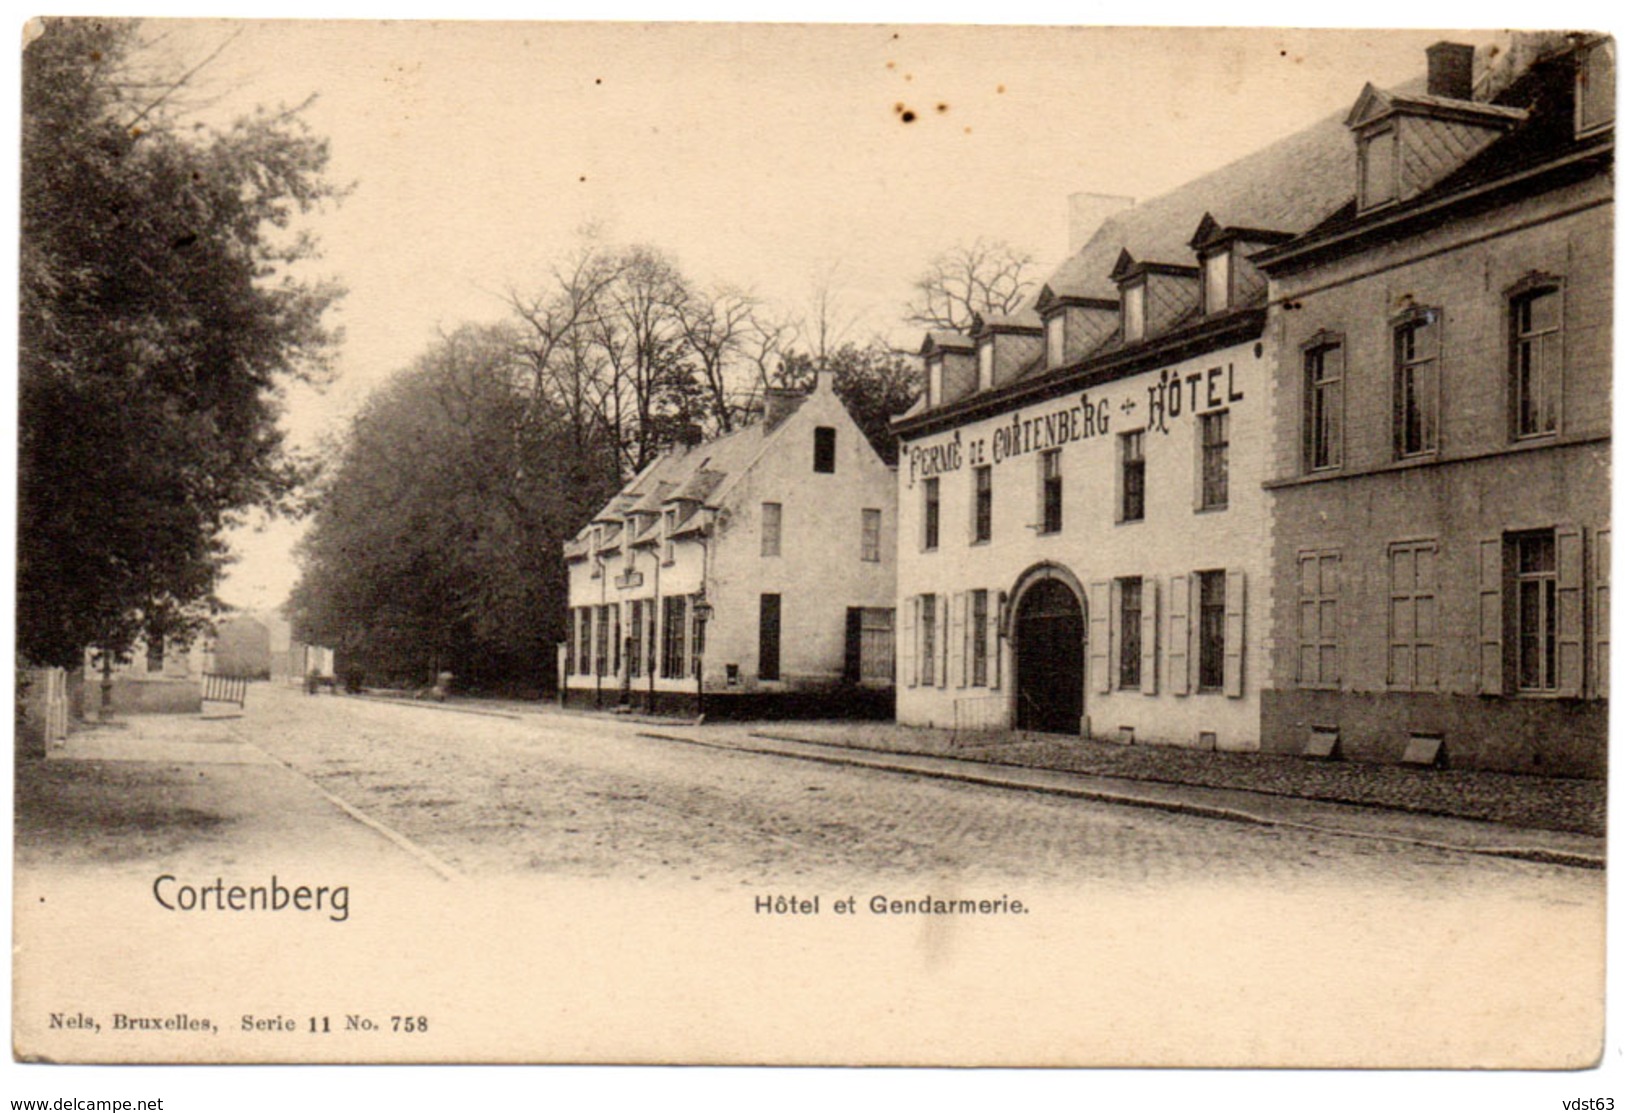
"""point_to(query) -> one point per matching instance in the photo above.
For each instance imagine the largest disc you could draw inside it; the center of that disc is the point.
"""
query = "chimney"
(823, 381)
(1450, 71)
(1086, 212)
(778, 403)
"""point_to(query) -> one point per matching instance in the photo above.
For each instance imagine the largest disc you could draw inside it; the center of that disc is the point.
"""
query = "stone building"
(750, 574)
(1440, 473)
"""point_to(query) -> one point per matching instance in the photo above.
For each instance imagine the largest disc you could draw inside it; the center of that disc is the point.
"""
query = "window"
(698, 647)
(1210, 632)
(928, 641)
(933, 512)
(982, 512)
(601, 644)
(1134, 313)
(933, 383)
(1050, 491)
(1379, 168)
(824, 450)
(1318, 573)
(1535, 570)
(1323, 405)
(674, 622)
(1055, 340)
(155, 653)
(1215, 460)
(1416, 384)
(1594, 98)
(984, 365)
(1131, 450)
(1536, 362)
(767, 641)
(584, 625)
(1216, 283)
(615, 639)
(634, 638)
(772, 520)
(668, 547)
(1413, 616)
(871, 535)
(1128, 639)
(978, 639)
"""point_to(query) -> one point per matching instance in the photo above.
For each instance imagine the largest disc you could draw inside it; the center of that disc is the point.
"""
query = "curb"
(1206, 811)
(395, 701)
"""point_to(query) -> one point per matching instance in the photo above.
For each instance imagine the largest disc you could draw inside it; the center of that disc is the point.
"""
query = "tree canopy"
(159, 312)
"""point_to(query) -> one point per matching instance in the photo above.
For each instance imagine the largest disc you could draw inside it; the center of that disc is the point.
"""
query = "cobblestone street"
(554, 794)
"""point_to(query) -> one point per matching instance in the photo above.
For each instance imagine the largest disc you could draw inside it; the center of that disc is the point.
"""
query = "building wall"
(176, 688)
(818, 575)
(1174, 539)
(1480, 485)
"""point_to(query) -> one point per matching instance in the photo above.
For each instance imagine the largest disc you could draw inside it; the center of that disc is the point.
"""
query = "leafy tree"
(158, 316)
(982, 278)
(875, 383)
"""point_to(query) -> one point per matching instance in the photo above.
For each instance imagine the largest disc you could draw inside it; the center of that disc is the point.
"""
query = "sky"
(772, 157)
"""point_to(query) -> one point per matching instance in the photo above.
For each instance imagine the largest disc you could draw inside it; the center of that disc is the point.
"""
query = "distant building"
(754, 572)
(159, 676)
(1440, 475)
(242, 647)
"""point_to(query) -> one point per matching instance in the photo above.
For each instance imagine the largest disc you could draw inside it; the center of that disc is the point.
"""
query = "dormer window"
(933, 384)
(1134, 313)
(1594, 90)
(1379, 168)
(1216, 282)
(984, 364)
(1055, 340)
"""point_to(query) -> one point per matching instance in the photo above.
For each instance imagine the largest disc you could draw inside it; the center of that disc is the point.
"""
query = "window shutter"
(1179, 635)
(994, 654)
(942, 639)
(911, 674)
(1601, 554)
(1114, 623)
(956, 638)
(1148, 636)
(1235, 630)
(1100, 635)
(1491, 619)
(1570, 611)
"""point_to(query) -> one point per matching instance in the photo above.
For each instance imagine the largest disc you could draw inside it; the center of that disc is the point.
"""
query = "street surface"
(564, 795)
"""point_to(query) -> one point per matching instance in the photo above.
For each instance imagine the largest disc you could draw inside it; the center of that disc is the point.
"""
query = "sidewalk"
(1539, 819)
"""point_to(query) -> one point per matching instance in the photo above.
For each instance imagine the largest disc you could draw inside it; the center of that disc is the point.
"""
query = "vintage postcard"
(843, 545)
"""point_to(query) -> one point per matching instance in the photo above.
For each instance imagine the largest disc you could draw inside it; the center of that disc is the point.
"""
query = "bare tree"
(721, 331)
(983, 278)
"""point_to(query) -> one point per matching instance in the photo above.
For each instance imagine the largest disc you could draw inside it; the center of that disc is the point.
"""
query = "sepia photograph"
(914, 545)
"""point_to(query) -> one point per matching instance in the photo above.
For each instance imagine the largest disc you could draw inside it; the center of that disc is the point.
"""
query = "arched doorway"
(1049, 643)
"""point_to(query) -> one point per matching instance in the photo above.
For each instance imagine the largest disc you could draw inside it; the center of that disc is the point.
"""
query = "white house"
(752, 574)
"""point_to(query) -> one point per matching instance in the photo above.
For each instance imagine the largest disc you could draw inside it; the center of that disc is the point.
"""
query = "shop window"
(824, 450)
(1323, 404)
(772, 520)
(1215, 493)
(1131, 456)
(932, 495)
(1413, 616)
(871, 535)
(982, 512)
(1128, 638)
(1416, 384)
(1319, 574)
(1050, 491)
(1537, 347)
